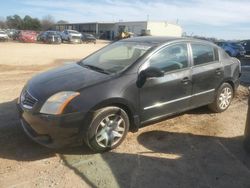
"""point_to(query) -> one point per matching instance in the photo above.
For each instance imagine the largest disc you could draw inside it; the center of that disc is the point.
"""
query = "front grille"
(27, 100)
(76, 37)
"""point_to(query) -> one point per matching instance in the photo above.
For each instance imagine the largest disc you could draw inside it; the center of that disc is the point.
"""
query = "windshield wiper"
(98, 69)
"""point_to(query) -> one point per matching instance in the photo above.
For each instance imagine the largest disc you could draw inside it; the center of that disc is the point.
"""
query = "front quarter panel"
(119, 90)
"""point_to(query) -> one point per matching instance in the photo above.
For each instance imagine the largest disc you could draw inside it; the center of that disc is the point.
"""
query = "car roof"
(162, 40)
(71, 30)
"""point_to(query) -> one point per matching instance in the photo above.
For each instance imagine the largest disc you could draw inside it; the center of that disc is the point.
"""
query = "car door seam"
(176, 100)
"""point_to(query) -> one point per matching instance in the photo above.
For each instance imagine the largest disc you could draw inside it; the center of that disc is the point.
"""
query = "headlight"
(57, 102)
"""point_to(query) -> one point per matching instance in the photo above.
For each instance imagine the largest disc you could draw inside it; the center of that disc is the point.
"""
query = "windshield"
(73, 32)
(116, 57)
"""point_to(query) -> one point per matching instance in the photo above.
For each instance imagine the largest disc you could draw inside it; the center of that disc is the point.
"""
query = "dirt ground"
(194, 149)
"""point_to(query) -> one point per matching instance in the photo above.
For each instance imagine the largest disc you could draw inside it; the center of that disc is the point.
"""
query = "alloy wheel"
(225, 98)
(110, 130)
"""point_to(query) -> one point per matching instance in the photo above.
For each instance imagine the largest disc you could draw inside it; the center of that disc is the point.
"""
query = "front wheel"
(223, 98)
(108, 129)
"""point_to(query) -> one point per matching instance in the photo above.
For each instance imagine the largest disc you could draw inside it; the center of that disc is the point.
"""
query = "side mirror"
(152, 72)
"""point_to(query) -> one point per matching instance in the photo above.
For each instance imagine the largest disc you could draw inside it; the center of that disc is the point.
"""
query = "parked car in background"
(51, 37)
(3, 36)
(11, 32)
(40, 36)
(246, 45)
(123, 86)
(27, 36)
(71, 36)
(16, 35)
(232, 48)
(88, 38)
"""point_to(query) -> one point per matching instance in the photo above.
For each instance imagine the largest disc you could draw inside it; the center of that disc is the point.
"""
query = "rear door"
(207, 73)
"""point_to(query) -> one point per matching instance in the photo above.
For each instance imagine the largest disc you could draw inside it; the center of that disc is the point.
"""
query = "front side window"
(203, 53)
(171, 58)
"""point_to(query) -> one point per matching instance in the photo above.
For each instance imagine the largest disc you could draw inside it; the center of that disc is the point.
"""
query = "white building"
(154, 28)
(109, 30)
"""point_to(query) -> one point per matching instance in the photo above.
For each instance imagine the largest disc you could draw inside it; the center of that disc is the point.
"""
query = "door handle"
(185, 80)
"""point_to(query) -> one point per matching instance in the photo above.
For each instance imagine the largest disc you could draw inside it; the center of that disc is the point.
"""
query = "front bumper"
(52, 131)
(75, 40)
(241, 54)
(4, 38)
(54, 41)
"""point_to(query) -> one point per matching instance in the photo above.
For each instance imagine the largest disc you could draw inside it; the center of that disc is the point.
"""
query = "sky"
(224, 19)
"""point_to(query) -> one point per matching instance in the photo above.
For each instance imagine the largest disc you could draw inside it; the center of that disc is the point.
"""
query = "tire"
(108, 129)
(223, 98)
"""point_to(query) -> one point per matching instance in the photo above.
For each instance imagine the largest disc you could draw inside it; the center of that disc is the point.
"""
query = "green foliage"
(27, 23)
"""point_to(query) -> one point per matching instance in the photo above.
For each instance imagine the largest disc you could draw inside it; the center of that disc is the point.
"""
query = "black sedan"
(123, 86)
(51, 37)
(88, 38)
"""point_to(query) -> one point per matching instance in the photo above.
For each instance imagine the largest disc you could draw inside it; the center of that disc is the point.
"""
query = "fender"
(131, 110)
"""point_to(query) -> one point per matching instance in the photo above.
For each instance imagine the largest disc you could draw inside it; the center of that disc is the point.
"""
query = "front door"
(172, 92)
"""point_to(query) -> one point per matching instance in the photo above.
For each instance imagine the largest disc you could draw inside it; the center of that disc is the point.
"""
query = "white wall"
(164, 29)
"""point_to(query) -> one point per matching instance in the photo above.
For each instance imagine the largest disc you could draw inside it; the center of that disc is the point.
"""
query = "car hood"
(72, 77)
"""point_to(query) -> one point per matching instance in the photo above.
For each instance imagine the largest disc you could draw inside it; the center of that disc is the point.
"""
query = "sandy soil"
(194, 149)
(39, 54)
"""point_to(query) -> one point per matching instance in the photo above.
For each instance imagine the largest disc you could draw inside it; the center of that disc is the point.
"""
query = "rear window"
(203, 53)
(223, 54)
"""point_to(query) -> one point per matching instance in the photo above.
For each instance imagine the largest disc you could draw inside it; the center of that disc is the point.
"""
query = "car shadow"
(168, 160)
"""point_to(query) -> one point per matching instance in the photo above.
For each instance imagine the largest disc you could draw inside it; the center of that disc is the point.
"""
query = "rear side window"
(203, 53)
(223, 54)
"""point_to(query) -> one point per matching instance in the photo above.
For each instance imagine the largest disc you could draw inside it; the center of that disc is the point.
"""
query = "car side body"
(71, 36)
(51, 37)
(27, 36)
(3, 36)
(88, 38)
(179, 87)
(233, 49)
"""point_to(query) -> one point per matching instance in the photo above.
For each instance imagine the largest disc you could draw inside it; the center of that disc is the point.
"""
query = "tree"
(14, 22)
(30, 23)
(27, 23)
(2, 23)
(47, 22)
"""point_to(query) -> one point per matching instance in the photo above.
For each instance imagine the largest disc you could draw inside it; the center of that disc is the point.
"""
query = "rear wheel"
(108, 129)
(223, 98)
